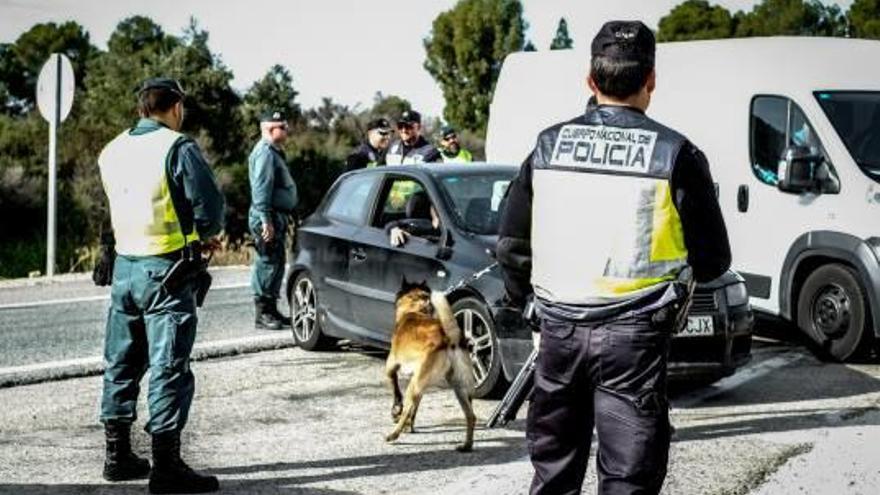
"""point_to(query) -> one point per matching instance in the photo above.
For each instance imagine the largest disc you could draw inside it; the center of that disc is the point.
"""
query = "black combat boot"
(272, 307)
(265, 319)
(121, 464)
(170, 474)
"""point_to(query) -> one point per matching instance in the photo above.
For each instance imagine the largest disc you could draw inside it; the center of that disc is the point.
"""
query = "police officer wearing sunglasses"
(372, 152)
(412, 147)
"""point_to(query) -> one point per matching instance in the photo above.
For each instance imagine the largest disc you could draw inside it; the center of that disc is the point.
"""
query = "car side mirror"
(798, 169)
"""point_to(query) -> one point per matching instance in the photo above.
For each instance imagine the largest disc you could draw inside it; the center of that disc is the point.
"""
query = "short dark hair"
(619, 78)
(157, 100)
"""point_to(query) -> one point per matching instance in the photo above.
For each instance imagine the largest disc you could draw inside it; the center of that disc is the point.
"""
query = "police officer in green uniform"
(450, 148)
(162, 197)
(273, 199)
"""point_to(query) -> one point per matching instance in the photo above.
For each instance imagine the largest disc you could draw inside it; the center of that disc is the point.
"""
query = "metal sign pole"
(53, 154)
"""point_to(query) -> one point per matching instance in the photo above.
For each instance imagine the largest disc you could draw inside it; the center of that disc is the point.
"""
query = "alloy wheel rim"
(304, 312)
(482, 351)
(831, 311)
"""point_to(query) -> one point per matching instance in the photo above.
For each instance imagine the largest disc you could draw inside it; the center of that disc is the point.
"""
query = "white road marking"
(103, 297)
(98, 361)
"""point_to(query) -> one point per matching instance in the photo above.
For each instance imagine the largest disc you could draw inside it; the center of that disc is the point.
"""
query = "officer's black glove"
(102, 275)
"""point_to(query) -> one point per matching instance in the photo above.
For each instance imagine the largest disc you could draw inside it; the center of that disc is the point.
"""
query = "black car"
(345, 272)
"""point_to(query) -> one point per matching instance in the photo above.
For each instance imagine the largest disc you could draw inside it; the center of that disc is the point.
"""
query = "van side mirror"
(797, 169)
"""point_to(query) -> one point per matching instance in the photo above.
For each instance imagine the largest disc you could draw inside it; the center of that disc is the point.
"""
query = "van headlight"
(737, 295)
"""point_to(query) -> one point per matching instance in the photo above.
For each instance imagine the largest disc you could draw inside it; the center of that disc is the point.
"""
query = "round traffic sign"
(55, 87)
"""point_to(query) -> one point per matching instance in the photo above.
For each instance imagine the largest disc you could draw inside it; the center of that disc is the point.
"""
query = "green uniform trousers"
(267, 272)
(148, 328)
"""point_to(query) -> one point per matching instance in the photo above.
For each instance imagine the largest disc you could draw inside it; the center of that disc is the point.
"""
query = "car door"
(346, 212)
(376, 268)
(767, 220)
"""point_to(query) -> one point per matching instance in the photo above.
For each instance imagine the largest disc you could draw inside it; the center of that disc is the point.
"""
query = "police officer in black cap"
(609, 214)
(412, 147)
(372, 152)
(163, 198)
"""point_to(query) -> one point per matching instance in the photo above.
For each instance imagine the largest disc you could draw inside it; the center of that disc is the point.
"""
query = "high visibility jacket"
(604, 225)
(463, 156)
(134, 172)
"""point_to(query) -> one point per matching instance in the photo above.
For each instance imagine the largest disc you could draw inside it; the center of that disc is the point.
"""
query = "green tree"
(20, 62)
(696, 20)
(465, 50)
(390, 107)
(274, 91)
(792, 18)
(864, 18)
(562, 41)
(529, 47)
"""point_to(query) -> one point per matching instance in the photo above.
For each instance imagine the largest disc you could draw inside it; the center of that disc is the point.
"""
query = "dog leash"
(461, 283)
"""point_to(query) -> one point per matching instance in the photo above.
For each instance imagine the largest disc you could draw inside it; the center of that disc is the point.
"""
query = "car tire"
(832, 310)
(304, 323)
(477, 325)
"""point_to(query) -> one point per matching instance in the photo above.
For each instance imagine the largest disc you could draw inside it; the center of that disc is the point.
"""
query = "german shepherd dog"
(427, 343)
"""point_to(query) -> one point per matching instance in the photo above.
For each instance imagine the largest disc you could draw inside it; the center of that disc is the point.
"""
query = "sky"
(344, 49)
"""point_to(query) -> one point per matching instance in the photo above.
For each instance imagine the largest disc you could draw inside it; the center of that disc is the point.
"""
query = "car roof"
(441, 170)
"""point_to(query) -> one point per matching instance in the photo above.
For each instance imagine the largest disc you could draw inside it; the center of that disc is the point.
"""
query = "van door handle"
(742, 198)
(358, 254)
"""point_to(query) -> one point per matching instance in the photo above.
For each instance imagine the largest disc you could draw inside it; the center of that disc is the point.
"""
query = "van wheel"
(832, 311)
(477, 326)
(304, 321)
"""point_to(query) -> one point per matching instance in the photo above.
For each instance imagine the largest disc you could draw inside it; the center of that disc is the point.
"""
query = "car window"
(351, 200)
(396, 194)
(477, 200)
(776, 124)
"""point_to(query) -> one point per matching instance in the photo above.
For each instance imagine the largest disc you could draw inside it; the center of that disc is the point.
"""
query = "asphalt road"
(61, 321)
(289, 421)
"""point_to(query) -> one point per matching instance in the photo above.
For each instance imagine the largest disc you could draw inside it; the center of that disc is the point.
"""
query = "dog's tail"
(447, 319)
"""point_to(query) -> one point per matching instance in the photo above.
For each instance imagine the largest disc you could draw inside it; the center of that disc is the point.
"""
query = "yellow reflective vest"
(134, 173)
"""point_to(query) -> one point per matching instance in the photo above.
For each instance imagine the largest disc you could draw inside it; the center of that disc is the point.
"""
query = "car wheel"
(832, 311)
(477, 326)
(304, 315)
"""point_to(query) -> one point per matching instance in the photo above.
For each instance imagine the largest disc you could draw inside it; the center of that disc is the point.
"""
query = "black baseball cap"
(380, 124)
(273, 116)
(627, 40)
(446, 131)
(160, 83)
(410, 117)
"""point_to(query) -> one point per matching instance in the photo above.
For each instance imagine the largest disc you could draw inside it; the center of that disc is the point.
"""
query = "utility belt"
(190, 266)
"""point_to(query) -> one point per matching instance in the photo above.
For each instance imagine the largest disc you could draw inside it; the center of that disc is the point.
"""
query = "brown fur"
(427, 343)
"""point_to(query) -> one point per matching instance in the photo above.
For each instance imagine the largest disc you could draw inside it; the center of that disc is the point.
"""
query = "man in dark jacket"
(412, 147)
(608, 215)
(372, 152)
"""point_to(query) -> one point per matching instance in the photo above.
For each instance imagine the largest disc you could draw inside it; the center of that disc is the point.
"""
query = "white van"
(791, 128)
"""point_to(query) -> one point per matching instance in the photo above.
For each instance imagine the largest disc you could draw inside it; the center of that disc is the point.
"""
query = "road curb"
(39, 373)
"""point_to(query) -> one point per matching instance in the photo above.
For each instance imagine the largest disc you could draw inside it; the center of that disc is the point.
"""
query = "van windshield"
(855, 116)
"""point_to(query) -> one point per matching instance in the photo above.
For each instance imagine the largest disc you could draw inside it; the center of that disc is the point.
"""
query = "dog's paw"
(465, 447)
(392, 436)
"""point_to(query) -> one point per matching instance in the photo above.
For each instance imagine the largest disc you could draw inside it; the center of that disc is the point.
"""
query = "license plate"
(698, 326)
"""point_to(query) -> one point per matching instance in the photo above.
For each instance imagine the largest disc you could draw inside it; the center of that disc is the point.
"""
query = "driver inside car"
(421, 221)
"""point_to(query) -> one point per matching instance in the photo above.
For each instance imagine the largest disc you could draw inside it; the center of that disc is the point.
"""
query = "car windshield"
(476, 199)
(856, 118)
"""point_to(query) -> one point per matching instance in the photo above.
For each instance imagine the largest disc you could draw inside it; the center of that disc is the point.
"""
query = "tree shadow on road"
(375, 466)
(262, 486)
